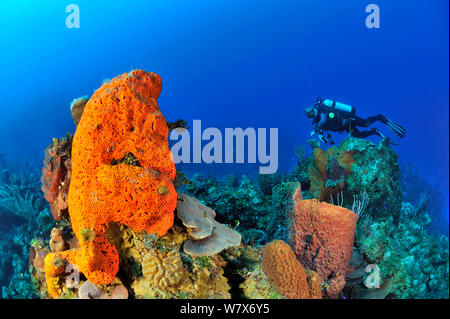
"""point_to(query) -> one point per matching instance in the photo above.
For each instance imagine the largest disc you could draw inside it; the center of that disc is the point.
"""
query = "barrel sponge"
(281, 265)
(120, 121)
(323, 237)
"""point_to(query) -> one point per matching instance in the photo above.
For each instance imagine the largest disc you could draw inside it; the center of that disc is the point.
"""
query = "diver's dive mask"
(310, 111)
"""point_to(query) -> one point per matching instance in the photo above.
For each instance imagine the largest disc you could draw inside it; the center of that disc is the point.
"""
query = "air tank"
(339, 106)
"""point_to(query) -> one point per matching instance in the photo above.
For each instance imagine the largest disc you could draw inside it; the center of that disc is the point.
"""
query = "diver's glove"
(378, 132)
(312, 133)
(323, 138)
(330, 140)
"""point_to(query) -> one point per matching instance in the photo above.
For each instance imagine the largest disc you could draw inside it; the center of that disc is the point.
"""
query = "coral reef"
(120, 120)
(62, 239)
(56, 176)
(208, 236)
(358, 165)
(37, 257)
(414, 261)
(178, 124)
(258, 286)
(156, 267)
(152, 267)
(162, 269)
(24, 217)
(267, 182)
(113, 190)
(358, 264)
(114, 291)
(322, 237)
(300, 172)
(281, 265)
(243, 204)
(146, 246)
(362, 177)
(77, 108)
(425, 195)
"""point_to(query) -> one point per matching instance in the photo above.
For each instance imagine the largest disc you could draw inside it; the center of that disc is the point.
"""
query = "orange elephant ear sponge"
(123, 117)
(323, 237)
(122, 171)
(291, 280)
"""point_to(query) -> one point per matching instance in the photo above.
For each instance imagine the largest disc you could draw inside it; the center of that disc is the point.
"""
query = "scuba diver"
(329, 115)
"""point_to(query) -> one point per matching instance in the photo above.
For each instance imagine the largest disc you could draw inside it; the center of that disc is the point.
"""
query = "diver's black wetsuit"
(339, 121)
(358, 121)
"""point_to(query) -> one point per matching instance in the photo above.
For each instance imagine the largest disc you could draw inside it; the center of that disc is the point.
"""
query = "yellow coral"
(314, 284)
(163, 269)
(164, 276)
(258, 286)
(120, 159)
(318, 170)
(164, 273)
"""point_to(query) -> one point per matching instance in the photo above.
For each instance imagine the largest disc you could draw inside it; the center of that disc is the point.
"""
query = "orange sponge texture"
(122, 117)
(323, 236)
(281, 265)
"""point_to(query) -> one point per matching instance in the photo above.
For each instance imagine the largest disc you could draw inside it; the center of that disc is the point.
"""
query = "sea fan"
(19, 203)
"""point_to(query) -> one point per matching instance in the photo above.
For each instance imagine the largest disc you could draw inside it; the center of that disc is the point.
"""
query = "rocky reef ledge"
(131, 226)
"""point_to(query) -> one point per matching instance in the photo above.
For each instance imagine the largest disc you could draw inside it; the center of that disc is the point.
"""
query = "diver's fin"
(395, 128)
(388, 141)
(393, 143)
(378, 132)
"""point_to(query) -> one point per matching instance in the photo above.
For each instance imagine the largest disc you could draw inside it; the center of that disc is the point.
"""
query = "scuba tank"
(347, 110)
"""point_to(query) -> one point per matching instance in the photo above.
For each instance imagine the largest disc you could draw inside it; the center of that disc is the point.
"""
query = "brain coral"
(120, 162)
(163, 269)
(291, 280)
(323, 237)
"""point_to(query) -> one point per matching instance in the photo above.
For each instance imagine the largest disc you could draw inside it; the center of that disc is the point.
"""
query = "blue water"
(233, 63)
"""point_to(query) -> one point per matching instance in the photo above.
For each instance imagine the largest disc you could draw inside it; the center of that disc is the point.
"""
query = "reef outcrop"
(118, 236)
(120, 212)
(120, 163)
(56, 176)
(208, 236)
(77, 108)
(355, 166)
(290, 278)
(412, 262)
(322, 238)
